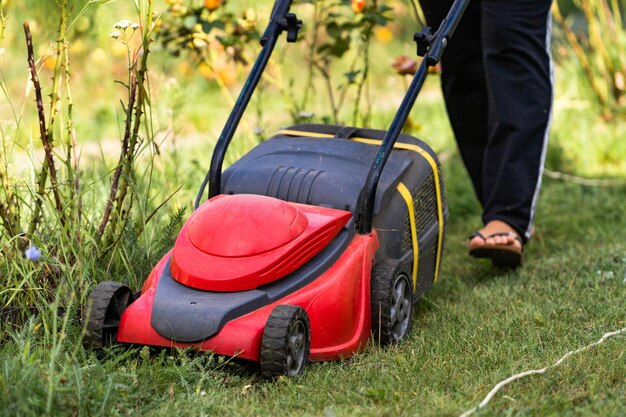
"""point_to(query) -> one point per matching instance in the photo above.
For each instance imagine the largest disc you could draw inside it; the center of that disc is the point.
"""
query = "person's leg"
(464, 86)
(465, 91)
(516, 49)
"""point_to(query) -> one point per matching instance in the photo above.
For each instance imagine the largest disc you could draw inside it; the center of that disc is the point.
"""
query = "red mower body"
(236, 244)
(240, 242)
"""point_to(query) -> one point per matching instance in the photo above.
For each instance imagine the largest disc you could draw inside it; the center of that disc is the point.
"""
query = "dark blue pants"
(497, 84)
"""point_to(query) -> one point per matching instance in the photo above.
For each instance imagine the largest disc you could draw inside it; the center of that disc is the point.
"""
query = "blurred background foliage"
(134, 136)
(204, 48)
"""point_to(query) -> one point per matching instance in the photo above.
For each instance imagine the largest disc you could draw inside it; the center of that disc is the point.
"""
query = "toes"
(494, 240)
(498, 240)
(475, 242)
(501, 240)
(508, 238)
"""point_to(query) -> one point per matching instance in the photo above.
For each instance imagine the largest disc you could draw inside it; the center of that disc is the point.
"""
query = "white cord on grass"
(592, 182)
(538, 371)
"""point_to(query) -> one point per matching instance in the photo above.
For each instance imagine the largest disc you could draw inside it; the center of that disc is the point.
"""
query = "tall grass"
(600, 50)
(57, 233)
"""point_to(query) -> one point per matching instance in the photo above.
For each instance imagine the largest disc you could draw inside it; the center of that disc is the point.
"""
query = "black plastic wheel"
(392, 302)
(105, 306)
(286, 342)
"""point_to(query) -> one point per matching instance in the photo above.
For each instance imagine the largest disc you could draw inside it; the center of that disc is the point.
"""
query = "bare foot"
(496, 226)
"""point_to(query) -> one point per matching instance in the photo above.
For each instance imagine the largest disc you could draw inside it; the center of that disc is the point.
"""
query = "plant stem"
(138, 101)
(312, 56)
(71, 160)
(366, 67)
(118, 170)
(344, 89)
(418, 14)
(48, 165)
(323, 69)
(3, 21)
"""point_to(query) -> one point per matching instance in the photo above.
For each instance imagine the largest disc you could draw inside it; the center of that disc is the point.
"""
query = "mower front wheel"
(286, 342)
(105, 306)
(392, 302)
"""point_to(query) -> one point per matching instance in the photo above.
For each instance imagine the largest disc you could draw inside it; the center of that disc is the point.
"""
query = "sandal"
(501, 255)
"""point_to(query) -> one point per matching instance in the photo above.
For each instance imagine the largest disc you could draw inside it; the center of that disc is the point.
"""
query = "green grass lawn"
(477, 326)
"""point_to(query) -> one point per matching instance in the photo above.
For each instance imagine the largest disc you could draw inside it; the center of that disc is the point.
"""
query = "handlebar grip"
(279, 12)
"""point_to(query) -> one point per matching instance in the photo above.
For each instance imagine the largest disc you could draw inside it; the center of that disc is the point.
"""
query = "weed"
(600, 51)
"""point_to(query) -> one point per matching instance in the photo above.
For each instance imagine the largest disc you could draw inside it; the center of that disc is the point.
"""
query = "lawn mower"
(317, 240)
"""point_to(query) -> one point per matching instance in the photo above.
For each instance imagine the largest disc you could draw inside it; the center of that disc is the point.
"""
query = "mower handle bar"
(280, 20)
(436, 44)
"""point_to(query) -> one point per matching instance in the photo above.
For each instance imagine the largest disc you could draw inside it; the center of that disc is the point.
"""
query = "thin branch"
(154, 212)
(120, 165)
(318, 11)
(345, 88)
(47, 145)
(329, 89)
(366, 66)
(72, 157)
(140, 104)
(3, 22)
(138, 101)
(515, 377)
(418, 13)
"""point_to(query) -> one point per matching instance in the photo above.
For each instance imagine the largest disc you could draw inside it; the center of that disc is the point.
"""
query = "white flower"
(134, 26)
(123, 24)
(115, 34)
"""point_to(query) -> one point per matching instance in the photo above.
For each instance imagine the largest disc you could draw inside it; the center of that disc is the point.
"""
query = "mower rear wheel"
(392, 302)
(286, 342)
(105, 306)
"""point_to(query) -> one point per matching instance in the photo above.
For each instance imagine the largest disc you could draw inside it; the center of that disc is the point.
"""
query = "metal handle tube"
(431, 58)
(446, 29)
(371, 184)
(268, 40)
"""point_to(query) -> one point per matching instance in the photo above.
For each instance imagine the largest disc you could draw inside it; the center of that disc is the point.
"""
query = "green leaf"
(190, 21)
(351, 76)
(333, 30)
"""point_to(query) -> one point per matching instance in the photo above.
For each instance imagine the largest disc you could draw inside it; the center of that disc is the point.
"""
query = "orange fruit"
(358, 6)
(212, 4)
